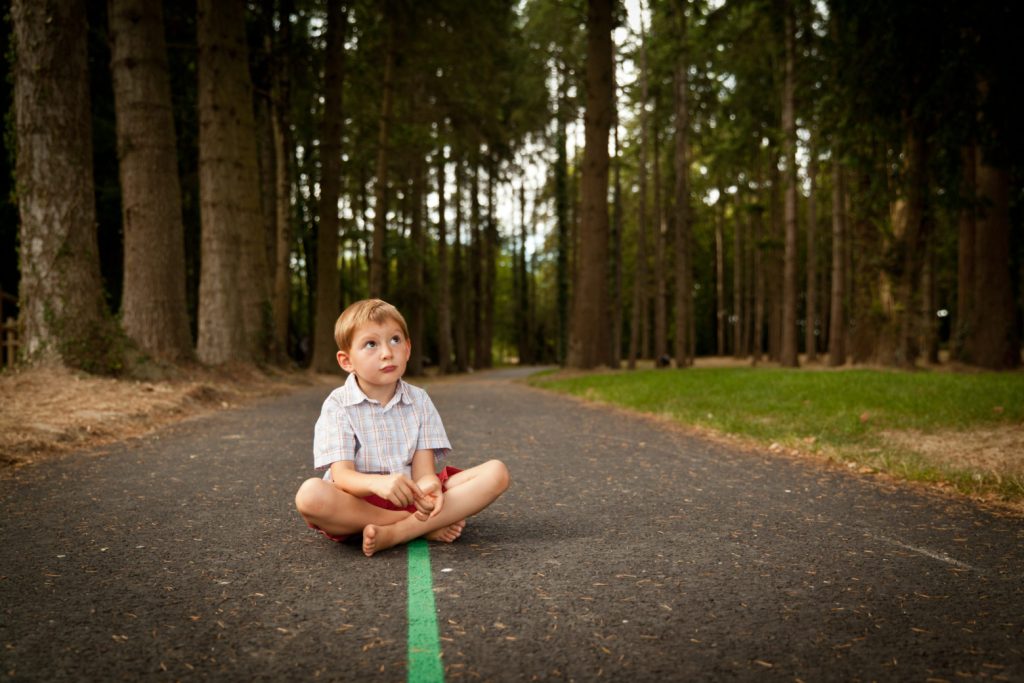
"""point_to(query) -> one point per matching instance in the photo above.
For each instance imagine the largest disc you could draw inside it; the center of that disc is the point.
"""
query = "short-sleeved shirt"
(378, 439)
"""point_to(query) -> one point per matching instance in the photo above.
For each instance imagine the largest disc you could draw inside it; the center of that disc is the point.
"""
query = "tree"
(234, 314)
(153, 309)
(328, 290)
(640, 279)
(789, 286)
(284, 151)
(590, 298)
(683, 267)
(63, 313)
(379, 262)
(444, 304)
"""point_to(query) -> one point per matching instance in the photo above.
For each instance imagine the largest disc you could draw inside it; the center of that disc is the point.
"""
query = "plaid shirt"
(379, 439)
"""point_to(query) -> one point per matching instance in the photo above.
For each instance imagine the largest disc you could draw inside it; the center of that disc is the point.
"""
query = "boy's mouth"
(387, 368)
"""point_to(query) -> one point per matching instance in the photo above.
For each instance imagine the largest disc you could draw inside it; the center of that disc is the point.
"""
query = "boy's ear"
(344, 361)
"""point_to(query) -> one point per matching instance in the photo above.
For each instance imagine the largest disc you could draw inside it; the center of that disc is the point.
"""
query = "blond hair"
(360, 313)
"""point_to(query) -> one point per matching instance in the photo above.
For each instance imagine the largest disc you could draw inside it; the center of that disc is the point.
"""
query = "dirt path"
(622, 551)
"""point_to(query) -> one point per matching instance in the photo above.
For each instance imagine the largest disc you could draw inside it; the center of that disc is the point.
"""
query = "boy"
(379, 438)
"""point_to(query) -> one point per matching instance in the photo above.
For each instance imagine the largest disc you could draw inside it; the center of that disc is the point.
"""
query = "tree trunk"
(616, 240)
(153, 311)
(379, 263)
(418, 237)
(444, 305)
(684, 288)
(739, 337)
(233, 296)
(460, 302)
(965, 254)
(757, 235)
(62, 308)
(637, 338)
(562, 216)
(590, 298)
(720, 311)
(911, 240)
(789, 351)
(660, 284)
(994, 339)
(476, 267)
(284, 147)
(490, 270)
(561, 211)
(328, 287)
(522, 289)
(811, 337)
(837, 317)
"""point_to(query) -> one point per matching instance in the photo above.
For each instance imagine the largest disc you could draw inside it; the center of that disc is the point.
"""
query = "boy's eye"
(396, 340)
(370, 345)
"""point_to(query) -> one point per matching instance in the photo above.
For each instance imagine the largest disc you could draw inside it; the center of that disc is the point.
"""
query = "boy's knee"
(501, 476)
(309, 499)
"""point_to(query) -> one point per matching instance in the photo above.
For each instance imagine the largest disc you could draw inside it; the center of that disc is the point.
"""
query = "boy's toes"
(369, 540)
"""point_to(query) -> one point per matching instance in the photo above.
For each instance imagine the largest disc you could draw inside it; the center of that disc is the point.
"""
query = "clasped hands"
(401, 491)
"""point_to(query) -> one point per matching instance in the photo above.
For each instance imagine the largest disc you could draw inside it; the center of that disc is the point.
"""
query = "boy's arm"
(395, 488)
(425, 477)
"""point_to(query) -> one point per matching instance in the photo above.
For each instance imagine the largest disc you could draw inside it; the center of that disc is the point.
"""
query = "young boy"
(379, 439)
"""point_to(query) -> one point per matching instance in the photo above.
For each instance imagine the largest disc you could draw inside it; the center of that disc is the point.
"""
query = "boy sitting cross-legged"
(379, 438)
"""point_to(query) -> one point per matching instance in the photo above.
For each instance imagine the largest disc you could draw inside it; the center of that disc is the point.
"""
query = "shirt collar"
(353, 395)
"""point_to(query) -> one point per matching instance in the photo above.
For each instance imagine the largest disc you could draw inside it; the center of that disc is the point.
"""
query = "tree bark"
(461, 302)
(379, 263)
(739, 337)
(444, 305)
(994, 339)
(967, 228)
(683, 267)
(562, 217)
(720, 311)
(490, 271)
(837, 317)
(62, 309)
(637, 339)
(590, 298)
(418, 237)
(233, 296)
(660, 284)
(522, 287)
(616, 241)
(284, 155)
(153, 311)
(811, 337)
(789, 351)
(328, 281)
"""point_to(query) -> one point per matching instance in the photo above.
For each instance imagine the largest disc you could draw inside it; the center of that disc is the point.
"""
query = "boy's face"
(378, 355)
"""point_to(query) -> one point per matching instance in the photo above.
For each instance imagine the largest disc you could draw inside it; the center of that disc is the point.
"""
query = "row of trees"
(784, 176)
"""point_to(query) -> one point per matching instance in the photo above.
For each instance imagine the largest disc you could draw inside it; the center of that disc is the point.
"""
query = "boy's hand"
(430, 503)
(398, 490)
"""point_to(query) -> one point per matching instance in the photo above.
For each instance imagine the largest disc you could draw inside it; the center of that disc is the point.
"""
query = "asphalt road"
(622, 551)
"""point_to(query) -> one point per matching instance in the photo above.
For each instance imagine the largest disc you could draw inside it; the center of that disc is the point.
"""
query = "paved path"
(622, 551)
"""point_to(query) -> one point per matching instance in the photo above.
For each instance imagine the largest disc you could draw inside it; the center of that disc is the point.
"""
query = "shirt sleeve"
(432, 434)
(333, 437)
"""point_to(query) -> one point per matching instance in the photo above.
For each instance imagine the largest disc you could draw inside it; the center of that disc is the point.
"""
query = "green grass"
(843, 414)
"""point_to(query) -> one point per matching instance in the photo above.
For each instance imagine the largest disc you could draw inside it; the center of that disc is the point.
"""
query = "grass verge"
(960, 430)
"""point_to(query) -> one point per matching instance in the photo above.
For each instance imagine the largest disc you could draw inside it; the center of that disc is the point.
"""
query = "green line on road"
(424, 645)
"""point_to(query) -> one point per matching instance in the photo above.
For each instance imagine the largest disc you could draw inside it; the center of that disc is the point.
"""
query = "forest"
(580, 182)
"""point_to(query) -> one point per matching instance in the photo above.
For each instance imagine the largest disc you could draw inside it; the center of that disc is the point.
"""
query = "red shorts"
(372, 499)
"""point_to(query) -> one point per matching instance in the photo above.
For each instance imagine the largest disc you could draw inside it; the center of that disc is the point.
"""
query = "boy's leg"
(325, 506)
(469, 492)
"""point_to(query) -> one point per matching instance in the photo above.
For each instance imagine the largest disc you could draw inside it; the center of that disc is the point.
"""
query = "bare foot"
(375, 538)
(447, 534)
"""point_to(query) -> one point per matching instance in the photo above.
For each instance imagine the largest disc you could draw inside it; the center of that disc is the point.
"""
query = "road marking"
(424, 645)
(935, 555)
